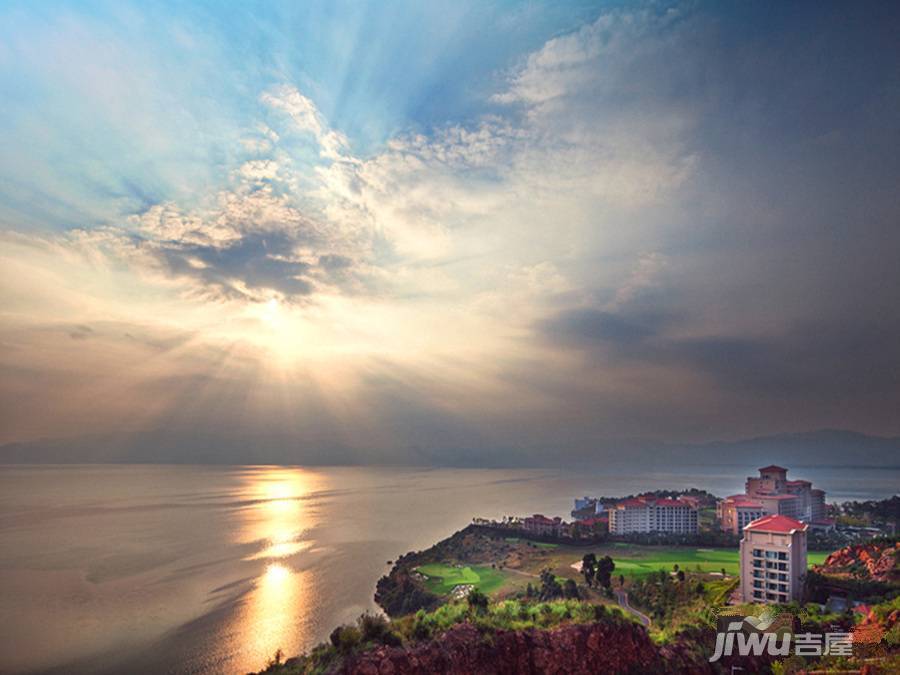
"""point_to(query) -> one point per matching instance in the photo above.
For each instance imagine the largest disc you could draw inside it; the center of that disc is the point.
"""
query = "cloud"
(306, 117)
(666, 223)
(592, 327)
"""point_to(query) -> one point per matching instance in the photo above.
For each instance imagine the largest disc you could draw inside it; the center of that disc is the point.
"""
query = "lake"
(190, 569)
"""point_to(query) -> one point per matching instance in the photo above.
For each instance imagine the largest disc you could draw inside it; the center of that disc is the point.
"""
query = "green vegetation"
(442, 578)
(505, 615)
(671, 600)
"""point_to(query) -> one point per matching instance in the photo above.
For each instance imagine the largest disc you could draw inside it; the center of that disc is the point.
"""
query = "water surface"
(187, 569)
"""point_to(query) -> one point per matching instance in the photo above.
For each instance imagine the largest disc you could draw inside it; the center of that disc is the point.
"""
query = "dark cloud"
(808, 362)
(590, 327)
(260, 261)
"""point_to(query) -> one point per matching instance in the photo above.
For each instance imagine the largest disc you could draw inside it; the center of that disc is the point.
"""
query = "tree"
(680, 575)
(605, 567)
(275, 661)
(675, 567)
(345, 638)
(570, 589)
(550, 587)
(589, 568)
(622, 580)
(477, 600)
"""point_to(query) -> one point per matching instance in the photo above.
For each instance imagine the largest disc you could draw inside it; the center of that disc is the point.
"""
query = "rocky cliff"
(877, 561)
(595, 648)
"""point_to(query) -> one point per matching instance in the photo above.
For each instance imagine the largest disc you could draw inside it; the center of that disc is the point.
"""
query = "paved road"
(622, 597)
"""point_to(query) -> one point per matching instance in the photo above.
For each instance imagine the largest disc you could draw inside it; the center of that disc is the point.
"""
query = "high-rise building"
(773, 560)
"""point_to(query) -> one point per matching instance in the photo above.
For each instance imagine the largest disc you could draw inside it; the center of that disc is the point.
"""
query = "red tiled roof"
(746, 504)
(632, 502)
(776, 523)
(777, 497)
(773, 467)
(671, 502)
(798, 482)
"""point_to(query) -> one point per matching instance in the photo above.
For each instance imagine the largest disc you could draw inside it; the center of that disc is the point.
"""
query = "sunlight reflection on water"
(278, 514)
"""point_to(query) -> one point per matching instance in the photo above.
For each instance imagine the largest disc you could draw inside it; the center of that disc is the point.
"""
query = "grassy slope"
(442, 578)
(640, 560)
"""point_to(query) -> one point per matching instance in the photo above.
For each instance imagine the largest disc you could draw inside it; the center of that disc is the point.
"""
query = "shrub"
(374, 628)
(345, 638)
(477, 600)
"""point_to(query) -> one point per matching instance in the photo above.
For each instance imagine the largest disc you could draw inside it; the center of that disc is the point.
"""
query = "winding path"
(622, 597)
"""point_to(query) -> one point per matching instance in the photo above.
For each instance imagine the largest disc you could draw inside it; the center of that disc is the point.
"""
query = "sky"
(426, 232)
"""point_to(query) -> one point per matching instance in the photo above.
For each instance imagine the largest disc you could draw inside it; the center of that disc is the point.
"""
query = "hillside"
(507, 638)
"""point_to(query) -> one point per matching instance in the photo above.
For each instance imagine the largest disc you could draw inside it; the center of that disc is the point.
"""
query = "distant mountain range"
(827, 447)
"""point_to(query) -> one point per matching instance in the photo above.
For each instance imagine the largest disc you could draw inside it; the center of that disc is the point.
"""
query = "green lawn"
(634, 560)
(442, 578)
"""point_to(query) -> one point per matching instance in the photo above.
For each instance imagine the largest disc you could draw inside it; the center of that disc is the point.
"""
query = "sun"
(272, 314)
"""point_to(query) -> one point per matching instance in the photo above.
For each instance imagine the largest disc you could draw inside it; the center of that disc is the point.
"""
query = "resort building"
(650, 514)
(771, 493)
(587, 508)
(738, 511)
(773, 560)
(543, 526)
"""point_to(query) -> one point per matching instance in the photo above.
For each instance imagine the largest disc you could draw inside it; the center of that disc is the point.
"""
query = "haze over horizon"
(376, 232)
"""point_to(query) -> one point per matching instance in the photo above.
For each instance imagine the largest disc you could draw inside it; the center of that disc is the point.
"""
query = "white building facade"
(647, 514)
